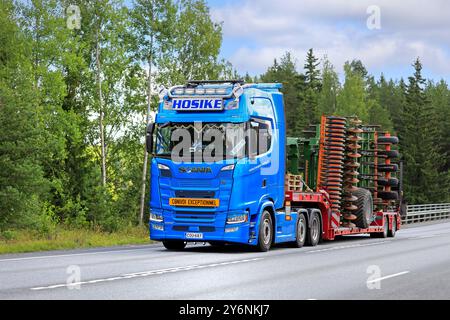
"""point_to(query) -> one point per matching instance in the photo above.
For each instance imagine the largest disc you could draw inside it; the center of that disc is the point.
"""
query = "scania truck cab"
(218, 165)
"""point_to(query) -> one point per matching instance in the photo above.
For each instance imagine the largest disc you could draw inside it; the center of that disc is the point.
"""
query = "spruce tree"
(419, 143)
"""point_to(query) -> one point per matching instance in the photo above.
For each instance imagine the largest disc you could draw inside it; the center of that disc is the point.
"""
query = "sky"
(386, 35)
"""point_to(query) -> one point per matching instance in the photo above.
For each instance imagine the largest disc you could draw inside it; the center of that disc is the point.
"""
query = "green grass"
(29, 241)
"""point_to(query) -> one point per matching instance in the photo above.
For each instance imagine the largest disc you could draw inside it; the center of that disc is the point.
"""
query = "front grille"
(207, 229)
(194, 194)
(194, 216)
(195, 183)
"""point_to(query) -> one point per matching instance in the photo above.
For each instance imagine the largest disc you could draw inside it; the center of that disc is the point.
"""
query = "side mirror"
(149, 137)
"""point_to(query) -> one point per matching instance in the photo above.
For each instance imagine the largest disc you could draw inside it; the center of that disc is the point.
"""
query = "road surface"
(413, 265)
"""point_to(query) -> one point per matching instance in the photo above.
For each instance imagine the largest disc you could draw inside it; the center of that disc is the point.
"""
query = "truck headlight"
(156, 217)
(237, 218)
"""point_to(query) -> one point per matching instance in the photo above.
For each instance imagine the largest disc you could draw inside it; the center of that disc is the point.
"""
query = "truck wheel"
(265, 236)
(174, 245)
(302, 227)
(313, 233)
(364, 213)
(393, 230)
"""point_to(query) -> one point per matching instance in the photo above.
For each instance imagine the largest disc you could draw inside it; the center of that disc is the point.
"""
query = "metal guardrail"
(426, 212)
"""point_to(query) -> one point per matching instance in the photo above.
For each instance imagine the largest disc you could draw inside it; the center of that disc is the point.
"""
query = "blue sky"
(257, 31)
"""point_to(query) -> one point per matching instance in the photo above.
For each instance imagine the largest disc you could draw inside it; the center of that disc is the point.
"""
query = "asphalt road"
(413, 265)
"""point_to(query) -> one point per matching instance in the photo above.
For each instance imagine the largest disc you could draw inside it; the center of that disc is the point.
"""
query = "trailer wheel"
(174, 245)
(383, 234)
(364, 213)
(301, 230)
(388, 140)
(313, 233)
(387, 167)
(265, 236)
(388, 195)
(392, 231)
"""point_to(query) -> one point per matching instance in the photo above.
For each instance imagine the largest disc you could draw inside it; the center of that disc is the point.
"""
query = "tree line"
(79, 78)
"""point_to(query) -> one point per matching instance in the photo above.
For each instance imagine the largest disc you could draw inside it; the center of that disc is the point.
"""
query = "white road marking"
(72, 255)
(349, 246)
(387, 277)
(423, 237)
(145, 274)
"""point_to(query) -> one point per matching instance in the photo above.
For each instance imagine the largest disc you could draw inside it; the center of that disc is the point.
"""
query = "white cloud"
(265, 29)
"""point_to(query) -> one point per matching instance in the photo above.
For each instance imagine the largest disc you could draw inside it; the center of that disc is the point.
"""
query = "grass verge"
(29, 241)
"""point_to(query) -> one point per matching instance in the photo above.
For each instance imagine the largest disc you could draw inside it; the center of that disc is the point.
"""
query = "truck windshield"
(207, 142)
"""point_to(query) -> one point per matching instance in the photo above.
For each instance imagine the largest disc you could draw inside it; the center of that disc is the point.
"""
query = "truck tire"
(388, 140)
(392, 231)
(174, 245)
(388, 195)
(300, 231)
(392, 182)
(313, 232)
(265, 236)
(387, 167)
(364, 213)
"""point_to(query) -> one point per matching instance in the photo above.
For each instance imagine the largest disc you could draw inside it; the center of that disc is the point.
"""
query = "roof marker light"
(178, 91)
(210, 91)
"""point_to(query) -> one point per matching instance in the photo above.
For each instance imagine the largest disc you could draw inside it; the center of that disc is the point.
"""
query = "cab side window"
(260, 137)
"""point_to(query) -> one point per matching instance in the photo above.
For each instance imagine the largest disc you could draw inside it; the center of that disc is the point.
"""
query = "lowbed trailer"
(385, 224)
(224, 171)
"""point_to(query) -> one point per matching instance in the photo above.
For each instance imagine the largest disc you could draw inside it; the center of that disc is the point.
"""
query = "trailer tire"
(391, 182)
(383, 234)
(387, 167)
(314, 229)
(392, 231)
(265, 236)
(388, 195)
(364, 213)
(300, 231)
(174, 245)
(388, 140)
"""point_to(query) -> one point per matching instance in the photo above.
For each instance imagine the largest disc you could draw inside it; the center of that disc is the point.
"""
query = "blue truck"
(219, 172)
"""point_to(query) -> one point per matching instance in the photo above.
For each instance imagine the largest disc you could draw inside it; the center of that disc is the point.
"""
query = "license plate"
(191, 202)
(194, 235)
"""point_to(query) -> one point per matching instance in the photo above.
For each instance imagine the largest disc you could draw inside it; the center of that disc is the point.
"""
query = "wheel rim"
(301, 229)
(266, 231)
(314, 229)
